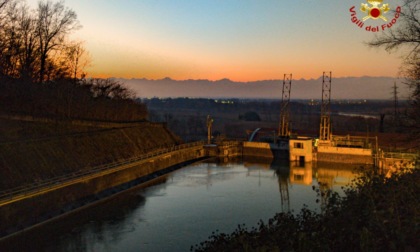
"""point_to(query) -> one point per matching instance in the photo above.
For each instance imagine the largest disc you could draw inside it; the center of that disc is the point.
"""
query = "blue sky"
(242, 40)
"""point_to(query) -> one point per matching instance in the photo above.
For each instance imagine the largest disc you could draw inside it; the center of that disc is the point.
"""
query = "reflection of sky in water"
(186, 206)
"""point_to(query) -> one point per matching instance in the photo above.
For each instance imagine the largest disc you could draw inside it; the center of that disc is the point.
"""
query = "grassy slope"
(34, 151)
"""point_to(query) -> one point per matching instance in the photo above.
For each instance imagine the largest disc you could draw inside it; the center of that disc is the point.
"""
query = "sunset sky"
(242, 40)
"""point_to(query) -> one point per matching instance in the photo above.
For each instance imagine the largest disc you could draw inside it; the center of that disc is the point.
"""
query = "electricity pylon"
(325, 125)
(284, 127)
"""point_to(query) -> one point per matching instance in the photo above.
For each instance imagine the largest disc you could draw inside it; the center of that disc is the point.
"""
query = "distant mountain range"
(341, 88)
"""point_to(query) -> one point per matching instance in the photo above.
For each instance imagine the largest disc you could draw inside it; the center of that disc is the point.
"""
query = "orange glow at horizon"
(257, 43)
(182, 64)
(241, 73)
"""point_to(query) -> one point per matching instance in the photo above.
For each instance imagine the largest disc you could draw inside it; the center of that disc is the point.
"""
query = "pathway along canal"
(183, 208)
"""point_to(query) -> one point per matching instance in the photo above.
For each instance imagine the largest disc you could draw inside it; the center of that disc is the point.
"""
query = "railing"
(7, 195)
(400, 155)
(229, 143)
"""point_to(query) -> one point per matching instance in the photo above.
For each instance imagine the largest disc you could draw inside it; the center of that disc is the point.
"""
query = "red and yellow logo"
(374, 10)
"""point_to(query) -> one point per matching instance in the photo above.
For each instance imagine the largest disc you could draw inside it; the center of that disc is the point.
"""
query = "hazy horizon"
(341, 88)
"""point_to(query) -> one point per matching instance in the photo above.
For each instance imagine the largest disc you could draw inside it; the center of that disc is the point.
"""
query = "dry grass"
(33, 151)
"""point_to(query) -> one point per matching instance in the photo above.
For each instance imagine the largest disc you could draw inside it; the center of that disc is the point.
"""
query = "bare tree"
(407, 34)
(28, 54)
(412, 73)
(5, 53)
(3, 3)
(77, 59)
(108, 88)
(3, 6)
(54, 23)
(33, 44)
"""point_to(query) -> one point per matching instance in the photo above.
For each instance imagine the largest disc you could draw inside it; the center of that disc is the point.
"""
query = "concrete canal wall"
(224, 149)
(264, 150)
(344, 155)
(257, 149)
(50, 167)
(27, 208)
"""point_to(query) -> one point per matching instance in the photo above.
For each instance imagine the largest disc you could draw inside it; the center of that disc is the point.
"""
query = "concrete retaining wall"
(345, 150)
(257, 149)
(56, 200)
(224, 149)
(344, 158)
(344, 155)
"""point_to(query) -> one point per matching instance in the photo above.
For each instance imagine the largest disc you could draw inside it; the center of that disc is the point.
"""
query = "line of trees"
(42, 69)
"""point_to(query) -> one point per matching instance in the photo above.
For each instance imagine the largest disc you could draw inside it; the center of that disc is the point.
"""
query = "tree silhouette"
(34, 43)
(407, 35)
(54, 22)
(35, 48)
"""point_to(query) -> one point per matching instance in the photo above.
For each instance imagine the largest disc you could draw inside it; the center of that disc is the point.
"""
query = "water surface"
(183, 208)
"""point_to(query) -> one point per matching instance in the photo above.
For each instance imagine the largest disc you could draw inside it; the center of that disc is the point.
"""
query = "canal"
(181, 209)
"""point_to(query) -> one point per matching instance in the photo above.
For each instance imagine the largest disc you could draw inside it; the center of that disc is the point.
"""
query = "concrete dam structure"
(342, 150)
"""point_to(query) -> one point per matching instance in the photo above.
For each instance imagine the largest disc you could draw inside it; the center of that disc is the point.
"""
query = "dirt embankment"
(35, 151)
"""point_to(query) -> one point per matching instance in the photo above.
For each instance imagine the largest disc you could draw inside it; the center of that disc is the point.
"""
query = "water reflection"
(83, 229)
(334, 175)
(283, 174)
(183, 208)
(301, 173)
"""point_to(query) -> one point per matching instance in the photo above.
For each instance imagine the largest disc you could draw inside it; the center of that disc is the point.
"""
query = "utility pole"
(209, 127)
(396, 114)
(284, 127)
(325, 125)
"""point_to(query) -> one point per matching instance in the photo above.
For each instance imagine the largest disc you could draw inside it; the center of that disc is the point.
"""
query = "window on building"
(298, 177)
(298, 145)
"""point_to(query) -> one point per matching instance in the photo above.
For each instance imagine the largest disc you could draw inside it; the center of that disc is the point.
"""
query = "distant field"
(187, 117)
